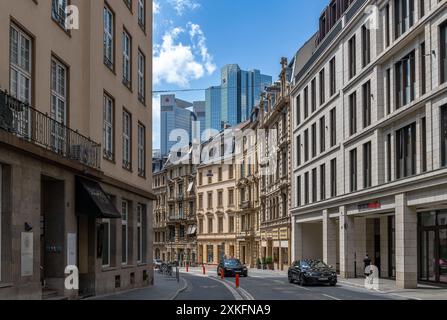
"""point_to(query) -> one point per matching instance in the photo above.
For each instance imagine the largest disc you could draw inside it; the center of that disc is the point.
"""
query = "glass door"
(443, 255)
(428, 255)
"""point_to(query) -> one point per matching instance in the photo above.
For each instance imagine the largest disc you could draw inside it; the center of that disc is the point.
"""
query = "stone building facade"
(369, 140)
(75, 124)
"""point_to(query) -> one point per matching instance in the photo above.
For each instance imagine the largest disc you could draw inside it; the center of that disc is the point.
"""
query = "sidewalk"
(164, 288)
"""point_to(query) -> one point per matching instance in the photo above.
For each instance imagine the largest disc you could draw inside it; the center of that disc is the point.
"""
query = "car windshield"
(313, 264)
(232, 263)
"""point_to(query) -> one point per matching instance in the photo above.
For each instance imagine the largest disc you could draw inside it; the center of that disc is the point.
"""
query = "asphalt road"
(263, 286)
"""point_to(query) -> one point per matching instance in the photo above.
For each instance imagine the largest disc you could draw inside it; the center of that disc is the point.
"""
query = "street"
(264, 285)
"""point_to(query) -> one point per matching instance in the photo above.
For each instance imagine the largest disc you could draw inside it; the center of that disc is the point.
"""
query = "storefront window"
(428, 219)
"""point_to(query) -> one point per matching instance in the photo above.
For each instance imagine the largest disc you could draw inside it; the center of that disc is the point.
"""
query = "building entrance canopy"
(92, 200)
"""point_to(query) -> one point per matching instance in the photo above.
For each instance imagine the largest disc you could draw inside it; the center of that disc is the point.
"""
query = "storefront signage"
(369, 206)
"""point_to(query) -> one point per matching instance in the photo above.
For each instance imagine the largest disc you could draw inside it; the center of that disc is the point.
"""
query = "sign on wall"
(27, 254)
(71, 249)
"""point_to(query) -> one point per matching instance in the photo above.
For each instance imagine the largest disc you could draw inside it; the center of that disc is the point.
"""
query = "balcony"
(29, 124)
(246, 205)
(177, 217)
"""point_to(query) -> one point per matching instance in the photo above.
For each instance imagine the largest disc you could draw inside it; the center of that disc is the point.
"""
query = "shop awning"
(92, 200)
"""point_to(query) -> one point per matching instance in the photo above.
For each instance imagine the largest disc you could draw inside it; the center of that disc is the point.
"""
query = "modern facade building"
(199, 108)
(176, 114)
(369, 140)
(75, 127)
(275, 220)
(240, 91)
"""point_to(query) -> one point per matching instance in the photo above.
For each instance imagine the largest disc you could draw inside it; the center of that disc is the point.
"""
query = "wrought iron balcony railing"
(27, 123)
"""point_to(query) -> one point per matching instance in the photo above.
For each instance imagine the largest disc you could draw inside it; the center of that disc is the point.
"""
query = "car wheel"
(291, 279)
(302, 281)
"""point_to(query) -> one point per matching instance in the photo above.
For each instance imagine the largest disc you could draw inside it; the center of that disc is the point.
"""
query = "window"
(322, 134)
(323, 182)
(141, 77)
(210, 200)
(109, 34)
(352, 57)
(334, 178)
(388, 158)
(108, 139)
(298, 191)
(140, 240)
(406, 151)
(127, 63)
(353, 169)
(366, 46)
(332, 76)
(443, 46)
(128, 3)
(306, 145)
(306, 188)
(367, 165)
(127, 137)
(58, 12)
(201, 231)
(230, 171)
(142, 13)
(388, 91)
(421, 8)
(230, 197)
(306, 102)
(125, 232)
(424, 144)
(353, 114)
(322, 87)
(333, 127)
(423, 69)
(231, 224)
(220, 199)
(444, 135)
(58, 104)
(314, 95)
(105, 243)
(298, 110)
(141, 150)
(201, 201)
(200, 178)
(210, 225)
(405, 80)
(314, 140)
(404, 16)
(387, 25)
(21, 52)
(219, 174)
(298, 151)
(366, 89)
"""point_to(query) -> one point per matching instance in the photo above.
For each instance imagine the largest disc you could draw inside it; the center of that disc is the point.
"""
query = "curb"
(185, 286)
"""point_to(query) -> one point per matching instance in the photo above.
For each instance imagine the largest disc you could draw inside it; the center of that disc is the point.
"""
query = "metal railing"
(27, 123)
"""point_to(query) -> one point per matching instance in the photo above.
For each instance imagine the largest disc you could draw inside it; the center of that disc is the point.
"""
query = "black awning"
(92, 200)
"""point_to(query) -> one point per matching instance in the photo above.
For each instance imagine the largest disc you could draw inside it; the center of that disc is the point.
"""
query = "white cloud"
(181, 6)
(176, 63)
(156, 7)
(156, 121)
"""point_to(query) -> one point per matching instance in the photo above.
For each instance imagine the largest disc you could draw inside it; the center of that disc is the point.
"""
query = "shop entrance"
(433, 247)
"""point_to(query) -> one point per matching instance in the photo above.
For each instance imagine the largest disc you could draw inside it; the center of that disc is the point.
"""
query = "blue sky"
(193, 39)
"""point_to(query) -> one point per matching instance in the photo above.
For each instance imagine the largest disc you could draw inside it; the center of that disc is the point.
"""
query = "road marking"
(331, 297)
(233, 291)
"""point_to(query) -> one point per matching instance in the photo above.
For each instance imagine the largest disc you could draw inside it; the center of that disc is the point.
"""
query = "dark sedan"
(312, 272)
(231, 267)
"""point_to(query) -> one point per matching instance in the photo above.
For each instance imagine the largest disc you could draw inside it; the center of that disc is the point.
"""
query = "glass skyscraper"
(240, 91)
(175, 114)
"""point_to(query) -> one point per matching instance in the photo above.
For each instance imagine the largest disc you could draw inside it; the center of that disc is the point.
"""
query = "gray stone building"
(369, 140)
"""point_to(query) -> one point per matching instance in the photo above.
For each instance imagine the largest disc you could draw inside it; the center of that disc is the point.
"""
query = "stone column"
(347, 244)
(406, 244)
(329, 239)
(297, 241)
(384, 258)
(360, 245)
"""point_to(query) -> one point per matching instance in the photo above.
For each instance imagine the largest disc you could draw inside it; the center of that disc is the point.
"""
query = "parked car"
(231, 267)
(312, 272)
(157, 264)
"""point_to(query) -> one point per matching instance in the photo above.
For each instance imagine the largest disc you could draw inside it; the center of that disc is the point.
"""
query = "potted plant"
(259, 263)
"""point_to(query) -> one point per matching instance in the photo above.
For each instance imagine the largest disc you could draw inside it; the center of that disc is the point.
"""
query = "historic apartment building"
(75, 125)
(247, 188)
(370, 140)
(275, 221)
(160, 215)
(216, 201)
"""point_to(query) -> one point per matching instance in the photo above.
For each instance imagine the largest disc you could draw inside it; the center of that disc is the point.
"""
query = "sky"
(193, 39)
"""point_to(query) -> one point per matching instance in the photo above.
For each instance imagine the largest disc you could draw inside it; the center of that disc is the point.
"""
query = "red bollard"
(203, 270)
(222, 274)
(187, 267)
(237, 281)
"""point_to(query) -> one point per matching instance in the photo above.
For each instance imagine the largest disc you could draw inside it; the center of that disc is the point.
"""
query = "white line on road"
(331, 297)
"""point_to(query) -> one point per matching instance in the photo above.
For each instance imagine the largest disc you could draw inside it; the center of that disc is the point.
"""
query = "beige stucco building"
(75, 127)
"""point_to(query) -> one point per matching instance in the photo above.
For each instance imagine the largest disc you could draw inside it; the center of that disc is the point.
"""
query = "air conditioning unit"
(79, 153)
